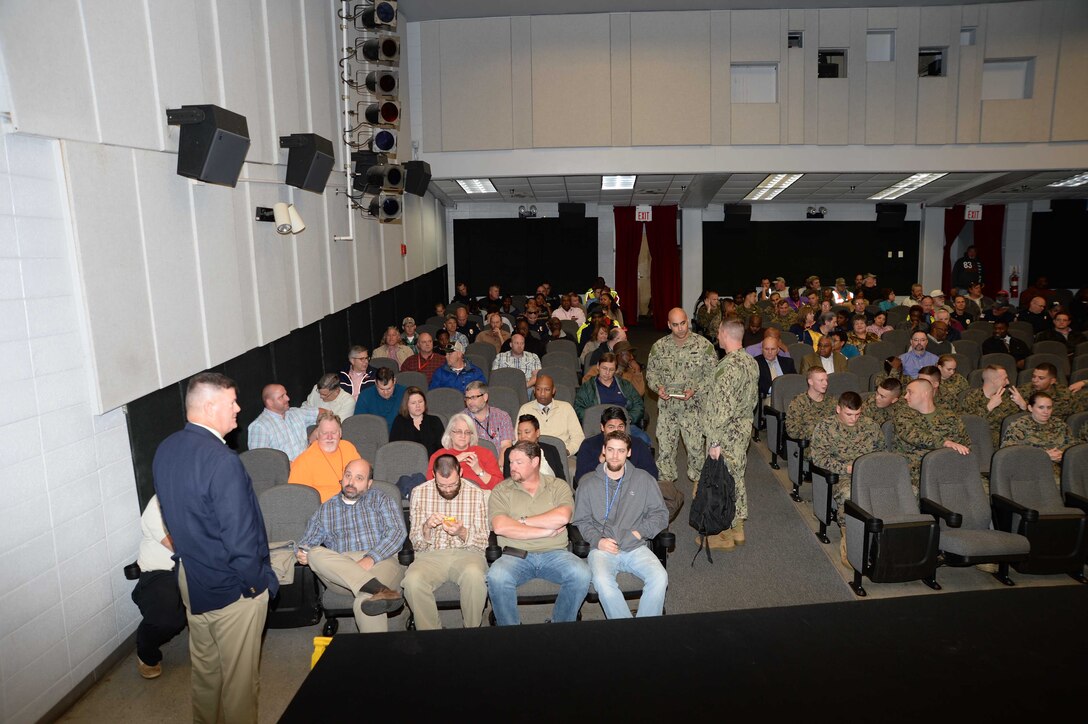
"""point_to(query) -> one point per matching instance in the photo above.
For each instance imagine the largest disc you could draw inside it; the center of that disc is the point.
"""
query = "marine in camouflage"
(803, 414)
(836, 445)
(974, 402)
(1054, 433)
(916, 434)
(728, 401)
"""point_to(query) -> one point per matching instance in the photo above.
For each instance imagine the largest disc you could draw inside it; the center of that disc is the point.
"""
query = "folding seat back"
(999, 358)
(402, 457)
(899, 339)
(512, 380)
(367, 433)
(882, 350)
(559, 374)
(560, 359)
(564, 344)
(840, 382)
(412, 379)
(1075, 472)
(445, 401)
(266, 467)
(486, 350)
(970, 348)
(982, 443)
(783, 390)
(865, 366)
(1060, 361)
(481, 361)
(1053, 347)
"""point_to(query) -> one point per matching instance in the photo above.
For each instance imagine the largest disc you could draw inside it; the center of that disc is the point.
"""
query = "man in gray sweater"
(617, 510)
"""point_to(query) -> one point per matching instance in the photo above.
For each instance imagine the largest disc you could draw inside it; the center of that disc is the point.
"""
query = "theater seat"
(783, 390)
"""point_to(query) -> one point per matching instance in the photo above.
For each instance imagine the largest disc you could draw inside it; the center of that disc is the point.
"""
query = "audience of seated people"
(321, 465)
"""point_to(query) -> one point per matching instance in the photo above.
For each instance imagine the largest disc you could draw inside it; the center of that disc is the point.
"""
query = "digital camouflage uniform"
(1054, 434)
(950, 392)
(803, 414)
(916, 434)
(860, 342)
(709, 320)
(974, 403)
(836, 445)
(881, 376)
(785, 321)
(678, 368)
(1063, 398)
(744, 312)
(880, 415)
(730, 397)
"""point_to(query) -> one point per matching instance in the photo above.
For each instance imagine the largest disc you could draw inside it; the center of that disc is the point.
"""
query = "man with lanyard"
(617, 510)
(492, 424)
(358, 374)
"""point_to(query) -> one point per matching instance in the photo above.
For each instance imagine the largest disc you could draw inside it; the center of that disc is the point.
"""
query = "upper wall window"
(967, 36)
(795, 39)
(753, 83)
(1008, 79)
(880, 46)
(931, 62)
(831, 63)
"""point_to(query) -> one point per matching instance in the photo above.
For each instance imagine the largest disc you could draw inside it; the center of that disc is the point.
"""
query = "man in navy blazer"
(224, 573)
(770, 358)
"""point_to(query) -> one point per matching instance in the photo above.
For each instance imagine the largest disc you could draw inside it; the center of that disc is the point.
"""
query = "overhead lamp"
(527, 213)
(380, 50)
(816, 213)
(911, 183)
(477, 185)
(384, 141)
(772, 186)
(1078, 180)
(385, 113)
(381, 83)
(382, 16)
(385, 207)
(284, 215)
(617, 183)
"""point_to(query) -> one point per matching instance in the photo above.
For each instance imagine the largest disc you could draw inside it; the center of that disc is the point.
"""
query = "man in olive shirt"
(529, 513)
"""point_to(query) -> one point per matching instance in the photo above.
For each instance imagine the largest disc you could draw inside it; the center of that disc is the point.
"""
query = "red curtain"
(628, 244)
(665, 263)
(989, 233)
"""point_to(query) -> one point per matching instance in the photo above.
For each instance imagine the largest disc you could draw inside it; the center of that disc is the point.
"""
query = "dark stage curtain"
(665, 264)
(628, 244)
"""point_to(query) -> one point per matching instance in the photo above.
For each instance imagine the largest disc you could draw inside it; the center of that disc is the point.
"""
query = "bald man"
(678, 367)
(280, 426)
(922, 426)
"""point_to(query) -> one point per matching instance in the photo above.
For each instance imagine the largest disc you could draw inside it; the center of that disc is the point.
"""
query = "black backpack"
(715, 503)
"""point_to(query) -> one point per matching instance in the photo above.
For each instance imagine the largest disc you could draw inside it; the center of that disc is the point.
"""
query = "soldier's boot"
(842, 549)
(987, 567)
(723, 541)
(694, 488)
(738, 533)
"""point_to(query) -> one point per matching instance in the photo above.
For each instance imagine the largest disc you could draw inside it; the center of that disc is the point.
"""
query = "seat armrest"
(578, 544)
(830, 477)
(930, 507)
(1006, 506)
(493, 551)
(1072, 500)
(665, 541)
(776, 414)
(407, 553)
(872, 523)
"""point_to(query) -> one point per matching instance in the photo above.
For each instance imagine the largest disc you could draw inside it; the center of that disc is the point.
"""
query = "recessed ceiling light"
(617, 183)
(1078, 180)
(772, 186)
(912, 183)
(477, 185)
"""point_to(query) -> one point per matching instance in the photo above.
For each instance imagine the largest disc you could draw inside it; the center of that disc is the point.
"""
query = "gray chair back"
(865, 366)
(785, 388)
(888, 428)
(882, 350)
(506, 400)
(1075, 470)
(591, 419)
(564, 345)
(510, 379)
(789, 338)
(898, 338)
(484, 350)
(798, 351)
(367, 433)
(266, 467)
(965, 365)
(560, 375)
(897, 314)
(939, 348)
(482, 362)
(953, 480)
(385, 362)
(558, 444)
(1000, 358)
(840, 382)
(564, 393)
(399, 458)
(1051, 347)
(974, 379)
(1080, 362)
(982, 443)
(976, 335)
(435, 321)
(1076, 423)
(389, 489)
(1081, 348)
(969, 348)
(1025, 475)
(445, 401)
(571, 328)
(287, 510)
(560, 359)
(490, 446)
(1060, 361)
(1024, 327)
(880, 484)
(413, 379)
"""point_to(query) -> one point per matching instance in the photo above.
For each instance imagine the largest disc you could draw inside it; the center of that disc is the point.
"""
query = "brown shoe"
(384, 601)
(723, 541)
(738, 533)
(148, 672)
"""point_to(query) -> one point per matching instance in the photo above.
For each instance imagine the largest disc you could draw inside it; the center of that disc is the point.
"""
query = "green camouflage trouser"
(676, 419)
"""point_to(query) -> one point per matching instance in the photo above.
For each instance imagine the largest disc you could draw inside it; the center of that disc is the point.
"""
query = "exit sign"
(973, 212)
(644, 213)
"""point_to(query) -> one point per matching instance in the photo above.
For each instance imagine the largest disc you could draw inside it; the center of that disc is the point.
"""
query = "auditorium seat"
(783, 390)
(412, 379)
(266, 467)
(398, 458)
(1060, 361)
(864, 366)
(1000, 358)
(510, 379)
(446, 401)
(840, 382)
(367, 433)
(971, 349)
(385, 362)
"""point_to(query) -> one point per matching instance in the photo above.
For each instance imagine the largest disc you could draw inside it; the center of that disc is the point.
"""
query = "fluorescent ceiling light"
(617, 183)
(772, 186)
(1078, 180)
(907, 185)
(477, 185)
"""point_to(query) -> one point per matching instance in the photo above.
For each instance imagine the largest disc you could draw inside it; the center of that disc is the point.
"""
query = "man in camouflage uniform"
(810, 406)
(883, 405)
(677, 369)
(921, 426)
(709, 316)
(783, 316)
(893, 369)
(952, 385)
(991, 403)
(1044, 378)
(838, 441)
(1041, 429)
(730, 398)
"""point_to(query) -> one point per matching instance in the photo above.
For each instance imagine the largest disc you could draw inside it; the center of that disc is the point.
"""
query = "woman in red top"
(478, 464)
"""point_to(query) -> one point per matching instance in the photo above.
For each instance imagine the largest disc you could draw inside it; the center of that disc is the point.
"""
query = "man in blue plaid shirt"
(353, 540)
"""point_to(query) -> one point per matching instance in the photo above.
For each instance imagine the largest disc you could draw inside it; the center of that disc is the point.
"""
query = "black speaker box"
(1069, 206)
(417, 176)
(571, 216)
(738, 216)
(213, 149)
(890, 216)
(309, 162)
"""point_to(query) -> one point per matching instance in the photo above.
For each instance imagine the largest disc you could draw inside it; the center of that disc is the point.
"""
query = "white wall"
(70, 517)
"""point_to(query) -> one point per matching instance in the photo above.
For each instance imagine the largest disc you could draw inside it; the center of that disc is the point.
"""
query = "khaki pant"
(225, 649)
(342, 570)
(465, 567)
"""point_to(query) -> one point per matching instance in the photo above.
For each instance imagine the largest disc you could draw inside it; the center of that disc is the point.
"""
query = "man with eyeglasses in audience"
(358, 374)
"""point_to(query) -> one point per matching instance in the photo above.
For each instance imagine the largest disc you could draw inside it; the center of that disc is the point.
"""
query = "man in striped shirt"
(449, 535)
(517, 358)
(353, 540)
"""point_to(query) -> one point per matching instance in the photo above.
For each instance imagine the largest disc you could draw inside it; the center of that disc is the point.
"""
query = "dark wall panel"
(335, 341)
(150, 420)
(359, 327)
(251, 371)
(1055, 252)
(297, 360)
(518, 254)
(735, 259)
(383, 312)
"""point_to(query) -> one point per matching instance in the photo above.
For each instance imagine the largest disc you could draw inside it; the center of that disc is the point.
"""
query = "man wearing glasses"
(492, 424)
(358, 374)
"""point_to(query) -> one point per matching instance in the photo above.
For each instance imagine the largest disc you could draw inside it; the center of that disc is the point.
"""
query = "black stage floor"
(1013, 654)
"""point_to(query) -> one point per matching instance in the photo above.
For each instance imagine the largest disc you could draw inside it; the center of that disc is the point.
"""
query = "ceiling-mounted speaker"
(417, 176)
(890, 216)
(738, 216)
(213, 143)
(309, 161)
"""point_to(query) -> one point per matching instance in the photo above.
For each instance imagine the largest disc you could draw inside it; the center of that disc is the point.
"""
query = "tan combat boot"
(842, 549)
(738, 533)
(723, 541)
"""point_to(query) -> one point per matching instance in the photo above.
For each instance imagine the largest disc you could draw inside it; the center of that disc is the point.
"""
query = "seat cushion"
(983, 543)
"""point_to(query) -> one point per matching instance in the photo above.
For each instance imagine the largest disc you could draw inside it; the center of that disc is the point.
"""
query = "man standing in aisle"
(730, 403)
(677, 369)
(224, 573)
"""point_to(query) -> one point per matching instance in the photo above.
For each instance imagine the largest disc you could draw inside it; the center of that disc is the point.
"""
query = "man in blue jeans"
(619, 509)
(529, 513)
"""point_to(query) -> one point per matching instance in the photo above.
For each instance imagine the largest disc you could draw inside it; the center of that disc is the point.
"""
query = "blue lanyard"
(610, 501)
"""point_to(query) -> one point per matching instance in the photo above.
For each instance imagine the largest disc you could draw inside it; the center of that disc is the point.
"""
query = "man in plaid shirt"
(449, 534)
(353, 540)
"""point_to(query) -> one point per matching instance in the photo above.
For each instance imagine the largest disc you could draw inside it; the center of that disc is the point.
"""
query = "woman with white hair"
(478, 464)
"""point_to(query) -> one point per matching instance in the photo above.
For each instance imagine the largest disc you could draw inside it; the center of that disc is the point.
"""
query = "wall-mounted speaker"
(738, 216)
(309, 161)
(417, 176)
(213, 143)
(890, 216)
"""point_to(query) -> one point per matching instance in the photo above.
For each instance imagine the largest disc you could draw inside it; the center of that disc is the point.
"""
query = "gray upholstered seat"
(591, 419)
(510, 379)
(982, 443)
(840, 382)
(445, 401)
(385, 362)
(560, 375)
(999, 358)
(562, 358)
(865, 366)
(783, 390)
(266, 467)
(367, 433)
(287, 510)
(398, 458)
(412, 379)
